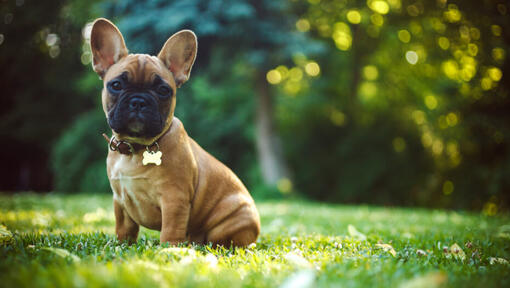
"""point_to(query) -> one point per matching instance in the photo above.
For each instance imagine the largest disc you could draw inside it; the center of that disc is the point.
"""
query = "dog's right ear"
(107, 45)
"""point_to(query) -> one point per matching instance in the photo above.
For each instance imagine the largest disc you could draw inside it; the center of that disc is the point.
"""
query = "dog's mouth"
(136, 123)
(136, 126)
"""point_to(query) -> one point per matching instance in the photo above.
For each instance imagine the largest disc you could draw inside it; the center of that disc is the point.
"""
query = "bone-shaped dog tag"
(151, 157)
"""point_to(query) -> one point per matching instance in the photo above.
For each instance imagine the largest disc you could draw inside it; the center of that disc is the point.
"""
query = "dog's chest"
(136, 190)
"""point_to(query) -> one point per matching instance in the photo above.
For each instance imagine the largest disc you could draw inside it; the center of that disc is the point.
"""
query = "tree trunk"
(270, 156)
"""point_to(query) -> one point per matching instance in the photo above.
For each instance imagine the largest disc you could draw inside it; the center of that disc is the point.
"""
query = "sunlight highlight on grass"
(320, 245)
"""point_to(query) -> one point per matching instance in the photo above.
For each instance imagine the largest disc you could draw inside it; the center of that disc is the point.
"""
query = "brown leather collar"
(127, 148)
(122, 147)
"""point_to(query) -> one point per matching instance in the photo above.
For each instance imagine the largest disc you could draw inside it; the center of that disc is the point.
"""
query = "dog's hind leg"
(239, 229)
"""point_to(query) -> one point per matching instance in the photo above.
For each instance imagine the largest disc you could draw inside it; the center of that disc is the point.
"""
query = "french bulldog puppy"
(160, 177)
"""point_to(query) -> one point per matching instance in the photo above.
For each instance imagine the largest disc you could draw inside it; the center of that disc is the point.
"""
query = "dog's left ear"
(179, 53)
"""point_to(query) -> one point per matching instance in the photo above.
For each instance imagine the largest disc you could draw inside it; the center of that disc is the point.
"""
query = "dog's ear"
(179, 53)
(107, 45)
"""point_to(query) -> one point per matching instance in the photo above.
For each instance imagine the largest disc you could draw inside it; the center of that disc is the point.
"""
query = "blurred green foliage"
(411, 103)
(381, 101)
(77, 164)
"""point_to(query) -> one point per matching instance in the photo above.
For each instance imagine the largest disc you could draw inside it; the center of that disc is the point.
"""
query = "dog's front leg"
(125, 227)
(175, 211)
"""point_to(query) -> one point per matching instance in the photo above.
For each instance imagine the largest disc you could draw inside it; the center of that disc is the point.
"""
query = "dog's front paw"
(172, 242)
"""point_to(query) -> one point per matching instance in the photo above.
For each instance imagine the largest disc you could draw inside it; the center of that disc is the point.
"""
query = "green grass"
(301, 245)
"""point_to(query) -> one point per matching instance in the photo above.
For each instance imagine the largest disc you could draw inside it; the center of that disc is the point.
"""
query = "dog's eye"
(116, 85)
(163, 90)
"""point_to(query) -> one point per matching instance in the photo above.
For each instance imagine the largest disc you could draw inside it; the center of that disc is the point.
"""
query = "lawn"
(64, 241)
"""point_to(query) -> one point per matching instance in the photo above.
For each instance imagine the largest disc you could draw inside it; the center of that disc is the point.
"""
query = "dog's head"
(139, 90)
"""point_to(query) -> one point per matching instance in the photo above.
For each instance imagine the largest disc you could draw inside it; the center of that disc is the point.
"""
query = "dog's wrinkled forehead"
(140, 69)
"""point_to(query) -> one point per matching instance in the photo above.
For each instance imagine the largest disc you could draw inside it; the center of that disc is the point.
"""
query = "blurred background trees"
(42, 93)
(380, 101)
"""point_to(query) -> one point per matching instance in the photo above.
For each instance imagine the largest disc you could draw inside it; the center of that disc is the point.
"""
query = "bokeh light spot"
(486, 83)
(452, 119)
(465, 89)
(54, 51)
(490, 209)
(284, 185)
(273, 77)
(292, 87)
(395, 4)
(496, 30)
(342, 36)
(284, 71)
(450, 69)
(86, 58)
(412, 57)
(399, 144)
(370, 72)
(468, 70)
(502, 9)
(438, 25)
(464, 33)
(413, 10)
(452, 149)
(415, 27)
(295, 74)
(303, 25)
(354, 17)
(475, 33)
(404, 36)
(377, 19)
(299, 58)
(495, 73)
(312, 69)
(437, 147)
(85, 32)
(337, 118)
(418, 117)
(472, 49)
(52, 39)
(448, 187)
(431, 102)
(379, 6)
(426, 139)
(498, 54)
(452, 14)
(367, 90)
(441, 121)
(443, 42)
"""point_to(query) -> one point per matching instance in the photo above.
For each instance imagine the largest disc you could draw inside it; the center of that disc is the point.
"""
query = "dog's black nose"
(137, 103)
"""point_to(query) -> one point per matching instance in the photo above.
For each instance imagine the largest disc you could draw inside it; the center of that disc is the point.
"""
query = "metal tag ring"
(131, 149)
(113, 148)
(148, 147)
